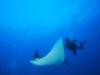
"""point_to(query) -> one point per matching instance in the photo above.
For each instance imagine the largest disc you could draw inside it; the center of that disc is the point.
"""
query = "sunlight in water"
(45, 15)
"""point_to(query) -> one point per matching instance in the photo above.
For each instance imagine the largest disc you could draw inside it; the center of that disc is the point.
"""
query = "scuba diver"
(73, 45)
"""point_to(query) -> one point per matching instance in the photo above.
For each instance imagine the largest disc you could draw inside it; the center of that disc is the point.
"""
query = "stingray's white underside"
(54, 57)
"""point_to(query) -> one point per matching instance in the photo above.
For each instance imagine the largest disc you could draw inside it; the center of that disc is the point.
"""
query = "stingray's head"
(36, 59)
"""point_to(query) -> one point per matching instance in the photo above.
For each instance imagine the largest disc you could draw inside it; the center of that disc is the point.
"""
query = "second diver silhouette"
(73, 46)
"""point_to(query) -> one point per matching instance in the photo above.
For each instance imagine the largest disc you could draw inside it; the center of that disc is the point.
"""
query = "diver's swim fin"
(82, 44)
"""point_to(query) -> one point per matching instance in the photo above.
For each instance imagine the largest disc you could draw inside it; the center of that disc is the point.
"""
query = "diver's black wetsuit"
(72, 46)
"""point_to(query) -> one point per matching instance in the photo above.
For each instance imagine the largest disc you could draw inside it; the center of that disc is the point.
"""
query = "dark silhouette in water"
(73, 46)
(36, 55)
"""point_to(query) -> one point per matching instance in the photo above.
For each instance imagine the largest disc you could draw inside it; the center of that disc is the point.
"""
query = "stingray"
(54, 57)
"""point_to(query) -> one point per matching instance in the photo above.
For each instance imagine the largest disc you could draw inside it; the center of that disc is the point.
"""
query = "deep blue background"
(29, 25)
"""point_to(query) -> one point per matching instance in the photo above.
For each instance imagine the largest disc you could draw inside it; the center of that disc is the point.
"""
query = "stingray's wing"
(54, 57)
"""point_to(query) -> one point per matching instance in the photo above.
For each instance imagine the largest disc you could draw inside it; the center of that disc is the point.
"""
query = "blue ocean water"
(27, 26)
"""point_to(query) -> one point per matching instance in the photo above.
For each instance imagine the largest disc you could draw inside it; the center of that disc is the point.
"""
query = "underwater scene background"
(27, 26)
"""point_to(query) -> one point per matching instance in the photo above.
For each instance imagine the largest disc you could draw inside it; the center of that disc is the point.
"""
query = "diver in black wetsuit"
(72, 45)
